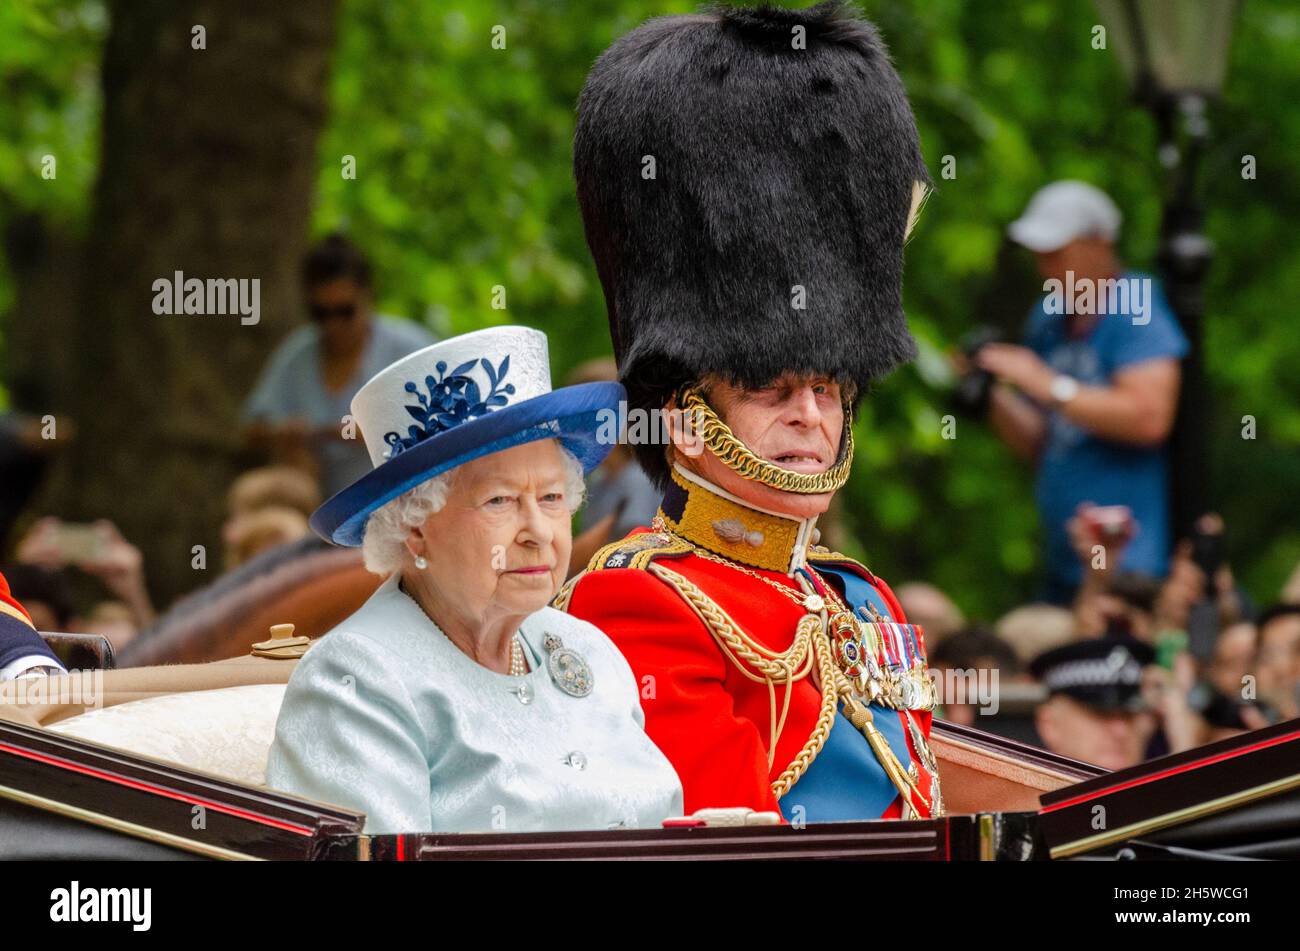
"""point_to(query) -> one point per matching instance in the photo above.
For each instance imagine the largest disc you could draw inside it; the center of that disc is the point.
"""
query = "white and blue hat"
(457, 400)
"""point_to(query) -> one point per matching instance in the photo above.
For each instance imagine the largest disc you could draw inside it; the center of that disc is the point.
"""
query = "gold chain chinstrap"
(737, 457)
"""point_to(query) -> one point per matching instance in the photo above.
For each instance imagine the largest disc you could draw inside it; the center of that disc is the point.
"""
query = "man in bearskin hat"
(747, 180)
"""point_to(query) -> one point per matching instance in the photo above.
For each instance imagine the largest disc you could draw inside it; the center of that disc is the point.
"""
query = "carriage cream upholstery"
(217, 717)
(227, 731)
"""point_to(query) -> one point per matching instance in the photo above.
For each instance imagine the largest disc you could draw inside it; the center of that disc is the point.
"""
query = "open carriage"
(67, 793)
(166, 762)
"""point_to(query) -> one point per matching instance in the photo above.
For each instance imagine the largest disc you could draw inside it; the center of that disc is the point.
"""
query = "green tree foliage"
(463, 182)
(49, 106)
(49, 73)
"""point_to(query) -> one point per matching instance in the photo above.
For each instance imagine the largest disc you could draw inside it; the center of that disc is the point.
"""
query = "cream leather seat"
(227, 732)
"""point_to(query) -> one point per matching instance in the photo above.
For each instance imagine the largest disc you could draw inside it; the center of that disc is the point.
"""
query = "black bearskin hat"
(729, 163)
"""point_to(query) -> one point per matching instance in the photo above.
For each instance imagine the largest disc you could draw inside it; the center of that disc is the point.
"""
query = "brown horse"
(307, 583)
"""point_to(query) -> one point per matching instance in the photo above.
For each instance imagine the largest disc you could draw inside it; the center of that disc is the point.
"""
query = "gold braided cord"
(737, 457)
(825, 717)
(788, 667)
(811, 645)
(734, 643)
(774, 668)
(562, 598)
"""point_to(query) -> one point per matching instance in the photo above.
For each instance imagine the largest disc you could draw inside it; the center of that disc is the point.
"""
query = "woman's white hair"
(384, 546)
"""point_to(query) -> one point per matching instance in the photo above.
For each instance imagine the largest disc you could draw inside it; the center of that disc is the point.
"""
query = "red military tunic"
(712, 721)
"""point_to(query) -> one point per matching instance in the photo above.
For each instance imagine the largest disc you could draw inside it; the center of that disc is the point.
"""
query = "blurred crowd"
(1136, 667)
(57, 566)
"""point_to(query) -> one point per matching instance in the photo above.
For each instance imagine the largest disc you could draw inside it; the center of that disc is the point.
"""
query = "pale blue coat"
(386, 716)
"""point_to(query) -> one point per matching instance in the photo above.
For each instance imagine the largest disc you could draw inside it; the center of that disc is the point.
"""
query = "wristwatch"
(1063, 389)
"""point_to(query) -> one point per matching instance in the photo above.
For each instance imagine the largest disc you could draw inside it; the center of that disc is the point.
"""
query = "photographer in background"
(1090, 398)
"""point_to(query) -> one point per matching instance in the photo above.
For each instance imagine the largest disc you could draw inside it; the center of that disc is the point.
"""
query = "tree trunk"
(208, 167)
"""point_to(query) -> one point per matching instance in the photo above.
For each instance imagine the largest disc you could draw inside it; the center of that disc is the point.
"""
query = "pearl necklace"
(518, 666)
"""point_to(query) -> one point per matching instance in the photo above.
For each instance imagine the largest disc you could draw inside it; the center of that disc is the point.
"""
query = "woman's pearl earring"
(421, 562)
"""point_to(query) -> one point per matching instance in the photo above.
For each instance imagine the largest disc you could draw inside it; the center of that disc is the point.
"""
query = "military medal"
(906, 692)
(849, 651)
(568, 669)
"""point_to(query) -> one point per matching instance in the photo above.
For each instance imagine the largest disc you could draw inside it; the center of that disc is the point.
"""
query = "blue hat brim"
(572, 414)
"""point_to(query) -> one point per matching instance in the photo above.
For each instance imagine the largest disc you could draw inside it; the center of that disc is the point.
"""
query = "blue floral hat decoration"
(458, 400)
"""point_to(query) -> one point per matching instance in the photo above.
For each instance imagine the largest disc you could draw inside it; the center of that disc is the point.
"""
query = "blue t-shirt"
(291, 385)
(1077, 467)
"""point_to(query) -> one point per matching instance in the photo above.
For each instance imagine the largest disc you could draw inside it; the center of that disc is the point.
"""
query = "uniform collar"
(712, 518)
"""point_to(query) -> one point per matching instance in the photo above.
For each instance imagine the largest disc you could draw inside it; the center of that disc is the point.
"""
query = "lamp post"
(1175, 55)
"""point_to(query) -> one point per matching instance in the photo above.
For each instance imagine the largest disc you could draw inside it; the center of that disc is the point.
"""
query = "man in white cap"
(1091, 396)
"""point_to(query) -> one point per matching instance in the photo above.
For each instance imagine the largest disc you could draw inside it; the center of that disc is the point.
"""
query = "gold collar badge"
(718, 522)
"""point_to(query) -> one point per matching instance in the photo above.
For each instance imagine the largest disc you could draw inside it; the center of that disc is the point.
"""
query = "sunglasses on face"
(321, 313)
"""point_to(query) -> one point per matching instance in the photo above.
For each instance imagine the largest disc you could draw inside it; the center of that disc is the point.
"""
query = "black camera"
(971, 398)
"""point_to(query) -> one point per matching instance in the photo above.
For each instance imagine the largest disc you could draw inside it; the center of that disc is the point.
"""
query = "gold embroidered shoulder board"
(637, 551)
(634, 551)
(820, 553)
